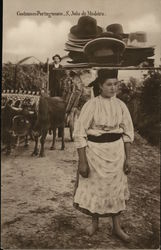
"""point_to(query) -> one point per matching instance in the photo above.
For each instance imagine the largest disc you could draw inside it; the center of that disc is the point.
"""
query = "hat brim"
(74, 38)
(130, 48)
(106, 60)
(74, 45)
(139, 51)
(106, 42)
(73, 64)
(75, 30)
(73, 48)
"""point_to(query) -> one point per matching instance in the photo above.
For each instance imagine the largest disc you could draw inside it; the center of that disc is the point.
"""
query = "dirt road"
(37, 195)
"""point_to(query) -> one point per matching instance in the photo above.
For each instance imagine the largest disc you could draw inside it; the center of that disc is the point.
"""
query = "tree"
(149, 125)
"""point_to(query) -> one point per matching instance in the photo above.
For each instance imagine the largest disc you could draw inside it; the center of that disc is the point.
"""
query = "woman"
(103, 135)
(55, 75)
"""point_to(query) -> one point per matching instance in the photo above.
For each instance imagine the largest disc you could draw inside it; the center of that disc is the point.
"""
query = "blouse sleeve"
(83, 124)
(127, 124)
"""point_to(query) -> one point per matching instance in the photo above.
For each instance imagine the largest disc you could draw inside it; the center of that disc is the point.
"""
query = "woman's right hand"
(83, 169)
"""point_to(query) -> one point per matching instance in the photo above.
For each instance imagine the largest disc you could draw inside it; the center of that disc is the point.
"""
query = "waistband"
(107, 137)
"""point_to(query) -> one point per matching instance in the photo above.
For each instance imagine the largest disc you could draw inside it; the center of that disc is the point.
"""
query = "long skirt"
(105, 191)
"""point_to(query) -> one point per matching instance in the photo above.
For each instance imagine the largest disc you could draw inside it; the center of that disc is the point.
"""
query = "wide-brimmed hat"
(86, 28)
(75, 39)
(117, 29)
(139, 36)
(70, 44)
(75, 44)
(73, 48)
(133, 56)
(104, 49)
(77, 55)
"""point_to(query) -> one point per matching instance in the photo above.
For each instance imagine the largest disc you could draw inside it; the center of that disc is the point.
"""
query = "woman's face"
(109, 87)
(56, 59)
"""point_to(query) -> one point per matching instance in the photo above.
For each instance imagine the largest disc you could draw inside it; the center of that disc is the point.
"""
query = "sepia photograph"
(80, 124)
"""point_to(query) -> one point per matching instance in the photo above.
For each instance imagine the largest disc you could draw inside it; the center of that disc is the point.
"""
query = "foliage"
(149, 125)
(151, 94)
(24, 77)
(128, 91)
(82, 100)
(143, 103)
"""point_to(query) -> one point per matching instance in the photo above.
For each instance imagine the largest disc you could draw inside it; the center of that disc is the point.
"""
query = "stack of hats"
(135, 56)
(80, 34)
(89, 45)
(134, 53)
(137, 52)
(109, 47)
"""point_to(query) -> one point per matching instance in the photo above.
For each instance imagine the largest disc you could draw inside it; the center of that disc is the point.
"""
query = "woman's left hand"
(127, 167)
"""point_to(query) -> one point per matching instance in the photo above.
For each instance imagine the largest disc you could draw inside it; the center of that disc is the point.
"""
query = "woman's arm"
(83, 123)
(128, 136)
(83, 166)
(127, 166)
(127, 150)
(80, 136)
(127, 124)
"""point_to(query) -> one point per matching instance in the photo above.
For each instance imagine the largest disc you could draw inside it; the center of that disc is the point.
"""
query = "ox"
(50, 115)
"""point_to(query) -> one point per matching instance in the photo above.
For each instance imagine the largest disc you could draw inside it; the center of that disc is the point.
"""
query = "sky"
(44, 35)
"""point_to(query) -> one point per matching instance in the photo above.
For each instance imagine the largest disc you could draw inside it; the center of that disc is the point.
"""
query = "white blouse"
(103, 115)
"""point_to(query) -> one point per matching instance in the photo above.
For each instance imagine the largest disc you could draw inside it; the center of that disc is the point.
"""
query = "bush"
(149, 125)
(144, 105)
(151, 94)
(24, 77)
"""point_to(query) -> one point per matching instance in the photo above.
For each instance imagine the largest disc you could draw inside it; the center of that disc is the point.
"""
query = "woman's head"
(108, 82)
(56, 59)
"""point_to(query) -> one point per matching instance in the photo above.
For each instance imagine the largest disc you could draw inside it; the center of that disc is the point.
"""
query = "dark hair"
(56, 56)
(104, 74)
